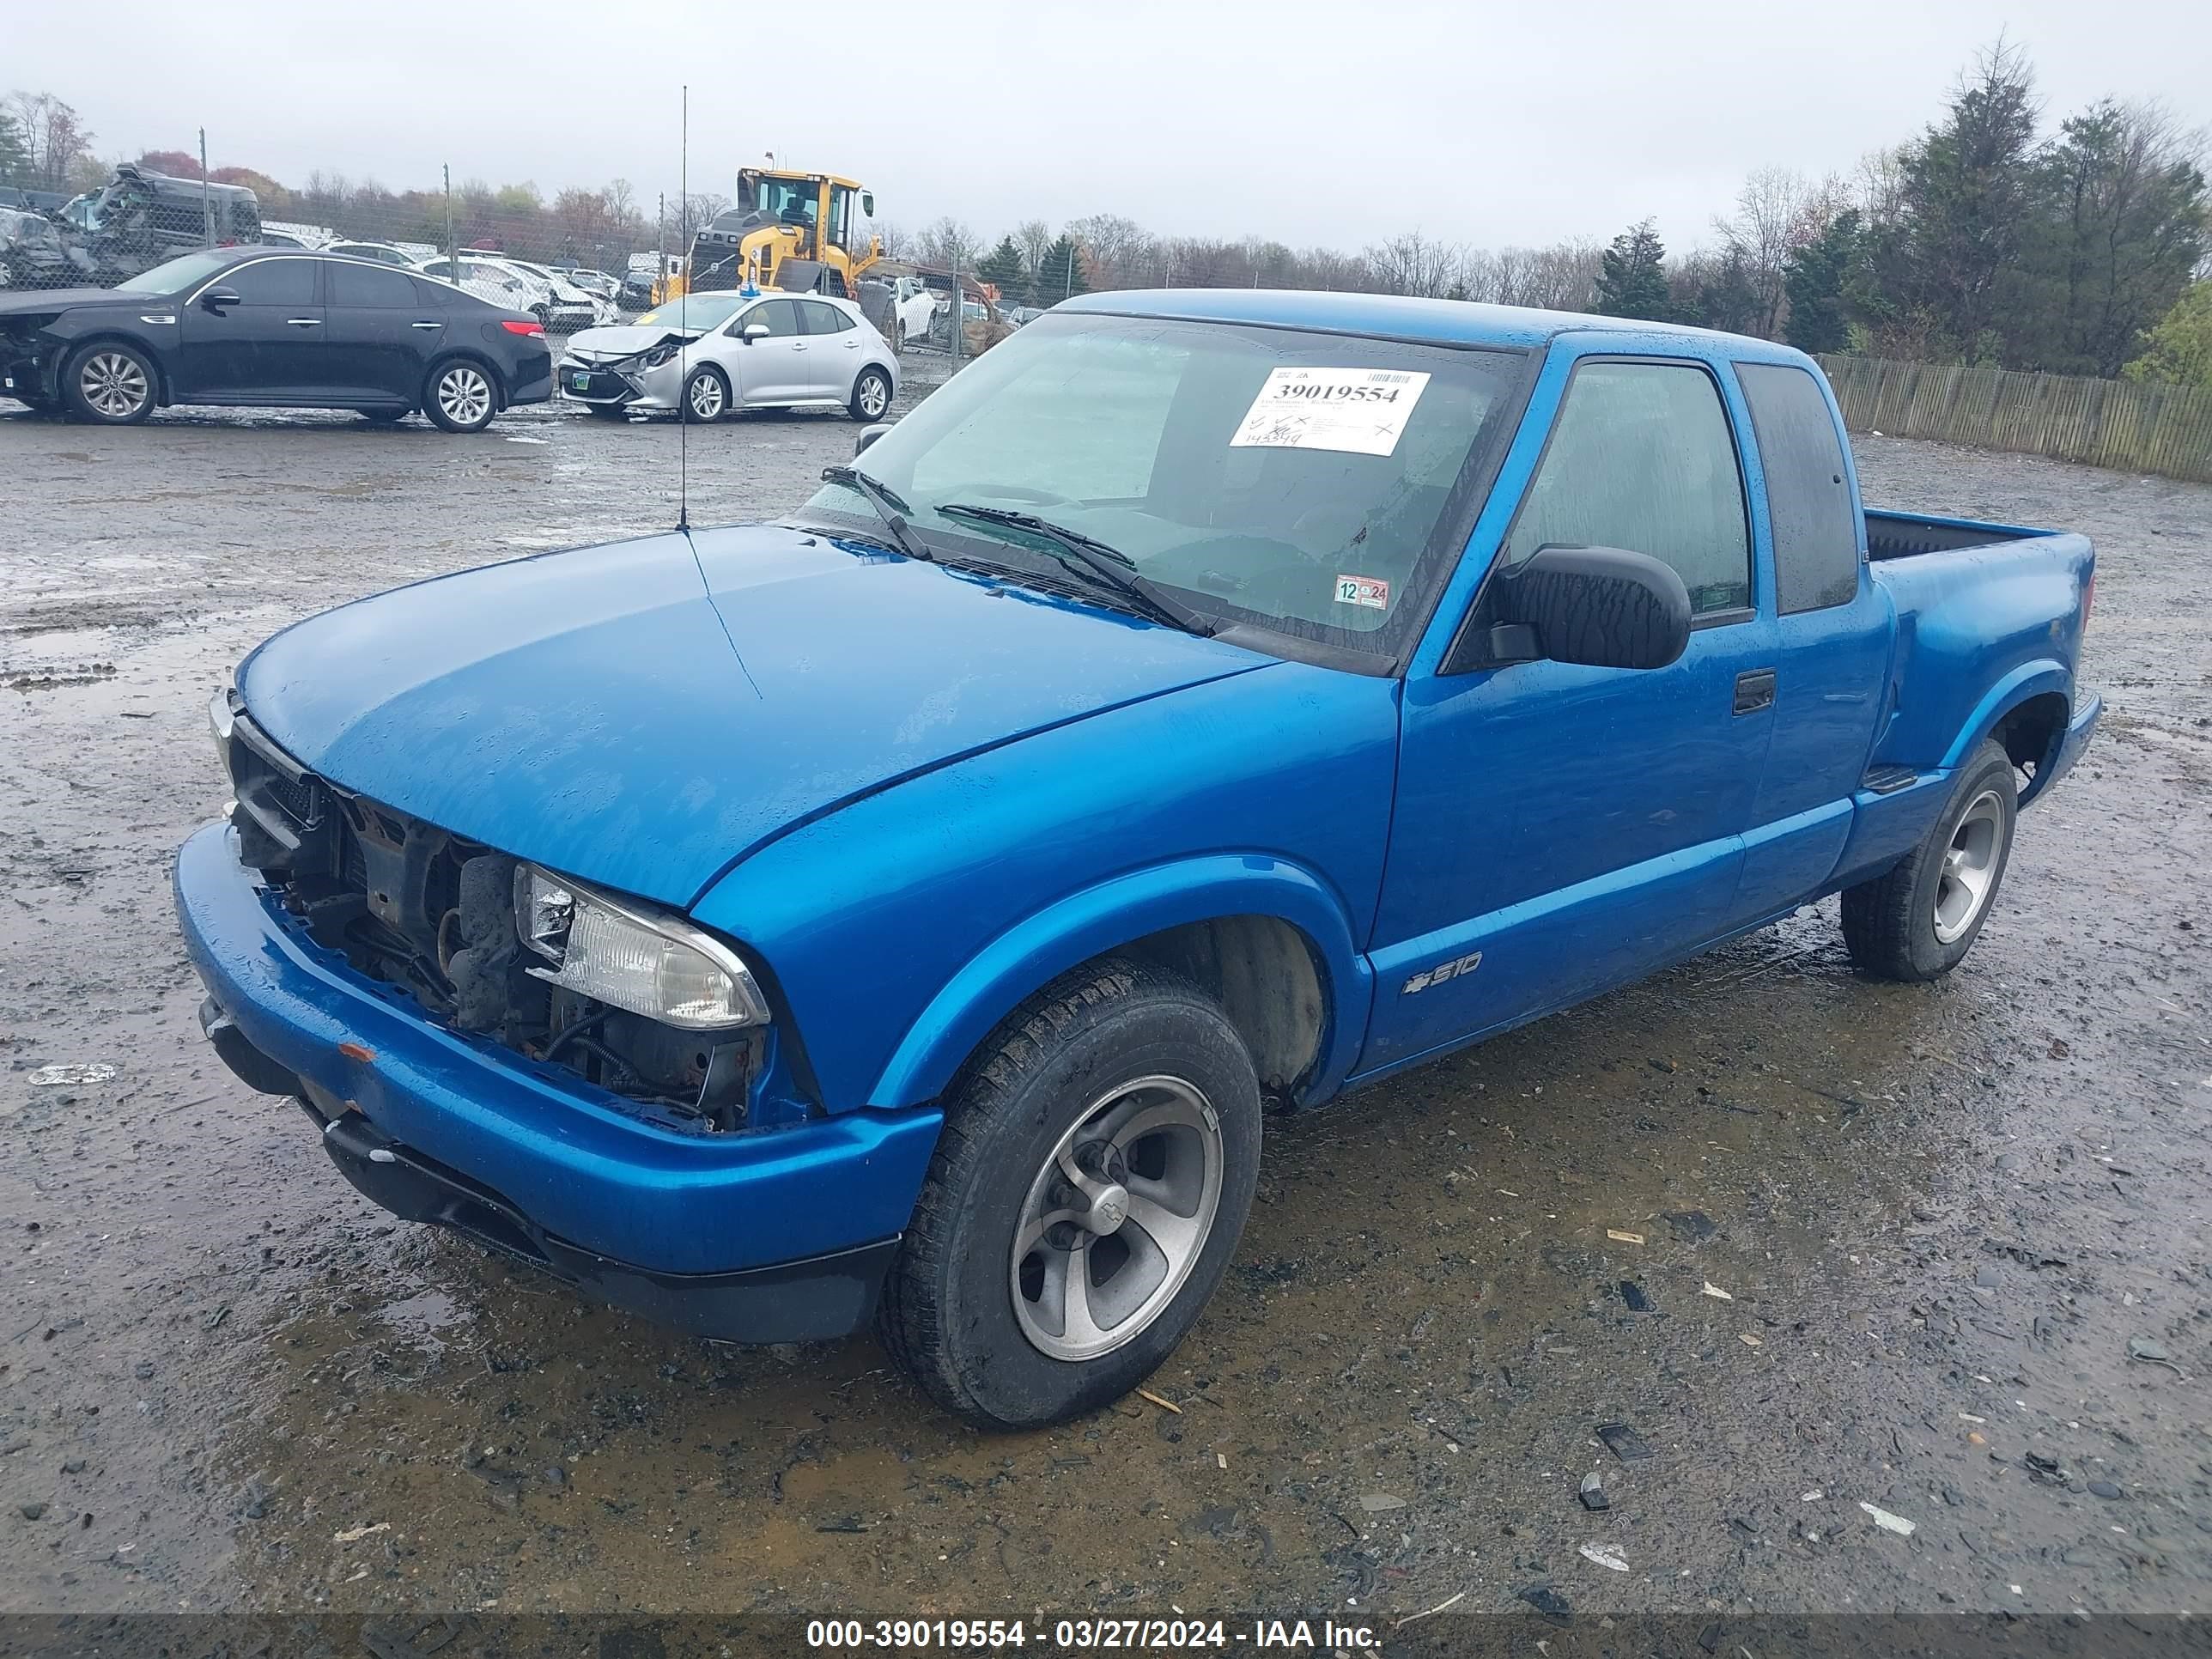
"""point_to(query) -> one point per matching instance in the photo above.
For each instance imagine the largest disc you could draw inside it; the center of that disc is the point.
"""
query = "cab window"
(1642, 457)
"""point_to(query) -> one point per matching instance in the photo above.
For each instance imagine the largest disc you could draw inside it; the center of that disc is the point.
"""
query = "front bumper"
(657, 387)
(762, 1235)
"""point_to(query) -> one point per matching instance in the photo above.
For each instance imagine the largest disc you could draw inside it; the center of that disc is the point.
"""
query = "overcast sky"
(1306, 122)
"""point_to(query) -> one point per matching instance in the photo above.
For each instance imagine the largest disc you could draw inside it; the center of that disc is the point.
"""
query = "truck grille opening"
(414, 906)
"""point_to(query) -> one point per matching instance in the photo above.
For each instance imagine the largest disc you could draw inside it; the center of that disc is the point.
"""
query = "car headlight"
(645, 961)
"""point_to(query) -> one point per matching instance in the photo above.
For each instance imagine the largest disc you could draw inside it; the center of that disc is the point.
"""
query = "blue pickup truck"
(1206, 704)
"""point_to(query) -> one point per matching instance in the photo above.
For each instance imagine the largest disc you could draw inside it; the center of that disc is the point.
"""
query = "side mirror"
(868, 435)
(755, 332)
(1603, 607)
(217, 299)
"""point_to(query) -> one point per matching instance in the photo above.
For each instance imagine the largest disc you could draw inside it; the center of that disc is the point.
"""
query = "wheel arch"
(2027, 711)
(1269, 938)
(469, 354)
(109, 334)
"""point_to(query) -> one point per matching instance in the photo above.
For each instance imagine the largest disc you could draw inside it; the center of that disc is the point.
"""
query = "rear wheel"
(1097, 1162)
(706, 396)
(109, 382)
(872, 395)
(459, 395)
(1918, 920)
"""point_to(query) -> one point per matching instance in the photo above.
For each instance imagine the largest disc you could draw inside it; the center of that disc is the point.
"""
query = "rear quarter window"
(1816, 543)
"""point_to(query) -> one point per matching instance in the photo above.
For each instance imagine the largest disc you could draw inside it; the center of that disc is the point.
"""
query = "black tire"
(110, 383)
(1893, 925)
(461, 394)
(709, 384)
(870, 386)
(948, 1314)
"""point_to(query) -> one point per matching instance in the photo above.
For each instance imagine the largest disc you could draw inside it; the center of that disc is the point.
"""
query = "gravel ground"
(1941, 1212)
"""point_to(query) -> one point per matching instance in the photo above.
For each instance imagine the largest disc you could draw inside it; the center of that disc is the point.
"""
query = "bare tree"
(1121, 252)
(949, 242)
(54, 138)
(1033, 237)
(1770, 218)
(1412, 262)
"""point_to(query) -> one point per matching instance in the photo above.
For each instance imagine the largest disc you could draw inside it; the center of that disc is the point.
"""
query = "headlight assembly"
(645, 961)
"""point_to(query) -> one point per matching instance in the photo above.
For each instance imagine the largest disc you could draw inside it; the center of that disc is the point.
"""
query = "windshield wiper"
(889, 508)
(1109, 564)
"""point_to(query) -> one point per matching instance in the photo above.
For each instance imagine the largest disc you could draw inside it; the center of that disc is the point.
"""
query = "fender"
(1096, 919)
(2031, 679)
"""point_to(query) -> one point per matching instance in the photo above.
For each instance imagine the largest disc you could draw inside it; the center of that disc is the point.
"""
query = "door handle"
(303, 322)
(1754, 690)
(426, 325)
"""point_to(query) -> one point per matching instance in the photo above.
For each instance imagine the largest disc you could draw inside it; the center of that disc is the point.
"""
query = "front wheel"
(1919, 919)
(110, 383)
(706, 396)
(872, 395)
(460, 396)
(1097, 1162)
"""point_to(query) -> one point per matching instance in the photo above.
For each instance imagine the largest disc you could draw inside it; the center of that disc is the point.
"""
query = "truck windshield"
(1311, 484)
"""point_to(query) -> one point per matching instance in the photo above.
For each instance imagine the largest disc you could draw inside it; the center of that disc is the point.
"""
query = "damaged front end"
(620, 996)
(648, 375)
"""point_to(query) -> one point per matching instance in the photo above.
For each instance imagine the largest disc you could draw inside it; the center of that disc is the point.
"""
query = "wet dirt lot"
(1939, 1214)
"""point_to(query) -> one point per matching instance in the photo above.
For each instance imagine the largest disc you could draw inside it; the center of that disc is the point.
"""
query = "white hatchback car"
(708, 353)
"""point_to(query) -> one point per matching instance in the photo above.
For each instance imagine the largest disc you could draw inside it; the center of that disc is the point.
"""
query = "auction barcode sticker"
(1362, 411)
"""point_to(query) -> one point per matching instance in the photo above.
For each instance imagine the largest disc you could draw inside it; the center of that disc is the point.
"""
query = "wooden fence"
(2137, 426)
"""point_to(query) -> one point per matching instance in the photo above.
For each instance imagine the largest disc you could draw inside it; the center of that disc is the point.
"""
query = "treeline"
(2081, 249)
(1984, 240)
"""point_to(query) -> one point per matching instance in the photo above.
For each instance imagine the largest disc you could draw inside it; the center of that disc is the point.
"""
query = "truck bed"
(1901, 535)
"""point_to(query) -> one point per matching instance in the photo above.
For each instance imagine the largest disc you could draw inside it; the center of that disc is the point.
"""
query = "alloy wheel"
(114, 383)
(465, 395)
(1970, 865)
(875, 396)
(1116, 1218)
(706, 397)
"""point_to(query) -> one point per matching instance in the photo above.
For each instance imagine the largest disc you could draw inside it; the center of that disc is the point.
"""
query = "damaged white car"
(705, 354)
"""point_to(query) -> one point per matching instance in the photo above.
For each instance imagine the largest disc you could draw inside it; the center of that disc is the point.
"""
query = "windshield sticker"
(1369, 590)
(1362, 411)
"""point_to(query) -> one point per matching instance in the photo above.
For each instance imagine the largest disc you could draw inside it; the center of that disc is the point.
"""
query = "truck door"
(1560, 828)
(1833, 633)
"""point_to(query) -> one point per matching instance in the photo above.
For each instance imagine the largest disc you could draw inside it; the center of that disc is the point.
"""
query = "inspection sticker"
(1371, 590)
(1362, 411)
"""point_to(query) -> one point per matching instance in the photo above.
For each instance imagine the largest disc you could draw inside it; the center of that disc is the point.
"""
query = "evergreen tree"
(14, 153)
(1059, 274)
(1964, 196)
(1722, 294)
(1814, 277)
(1632, 278)
(1002, 268)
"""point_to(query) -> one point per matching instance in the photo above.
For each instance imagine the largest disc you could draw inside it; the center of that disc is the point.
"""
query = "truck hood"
(642, 717)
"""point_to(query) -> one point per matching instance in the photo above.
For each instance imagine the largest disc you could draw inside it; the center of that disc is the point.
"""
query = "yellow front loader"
(796, 231)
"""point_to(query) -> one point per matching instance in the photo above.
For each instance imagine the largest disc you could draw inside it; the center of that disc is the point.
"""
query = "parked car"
(139, 219)
(909, 907)
(914, 307)
(31, 252)
(598, 283)
(708, 353)
(382, 254)
(567, 294)
(508, 283)
(254, 328)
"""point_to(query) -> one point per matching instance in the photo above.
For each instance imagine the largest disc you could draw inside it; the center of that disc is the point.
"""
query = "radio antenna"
(683, 323)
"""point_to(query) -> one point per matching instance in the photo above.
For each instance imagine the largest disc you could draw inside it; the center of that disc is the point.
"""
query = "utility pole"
(207, 205)
(1069, 293)
(453, 254)
(959, 305)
